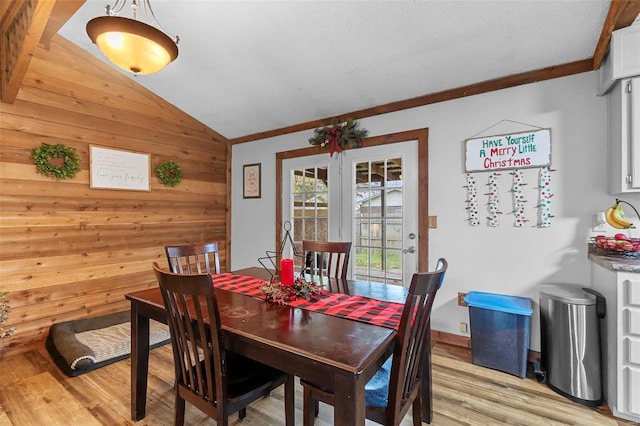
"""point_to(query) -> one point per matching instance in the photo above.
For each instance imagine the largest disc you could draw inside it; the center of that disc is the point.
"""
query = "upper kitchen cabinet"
(623, 59)
(619, 79)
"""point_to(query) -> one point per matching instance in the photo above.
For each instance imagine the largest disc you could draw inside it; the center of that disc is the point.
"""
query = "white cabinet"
(625, 45)
(623, 59)
(624, 136)
(621, 346)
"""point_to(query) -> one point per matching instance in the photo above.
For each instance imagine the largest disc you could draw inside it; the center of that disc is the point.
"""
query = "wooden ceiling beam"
(24, 24)
(21, 27)
(62, 12)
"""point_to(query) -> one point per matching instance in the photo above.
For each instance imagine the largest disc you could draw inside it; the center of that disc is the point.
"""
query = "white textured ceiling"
(247, 67)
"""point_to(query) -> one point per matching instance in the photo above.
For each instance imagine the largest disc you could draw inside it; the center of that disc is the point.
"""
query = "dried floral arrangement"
(340, 135)
(280, 294)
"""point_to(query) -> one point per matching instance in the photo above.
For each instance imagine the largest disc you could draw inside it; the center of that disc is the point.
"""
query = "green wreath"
(42, 158)
(169, 173)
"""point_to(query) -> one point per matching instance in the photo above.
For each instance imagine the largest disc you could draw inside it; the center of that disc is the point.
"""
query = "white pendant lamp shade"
(132, 45)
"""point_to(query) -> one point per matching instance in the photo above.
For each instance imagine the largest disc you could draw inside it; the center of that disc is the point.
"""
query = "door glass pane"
(362, 227)
(393, 233)
(362, 260)
(362, 175)
(310, 188)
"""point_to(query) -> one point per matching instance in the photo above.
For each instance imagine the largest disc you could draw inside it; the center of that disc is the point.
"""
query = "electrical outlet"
(463, 327)
(461, 301)
(433, 222)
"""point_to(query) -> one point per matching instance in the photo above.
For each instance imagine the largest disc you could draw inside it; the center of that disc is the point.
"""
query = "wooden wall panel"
(68, 251)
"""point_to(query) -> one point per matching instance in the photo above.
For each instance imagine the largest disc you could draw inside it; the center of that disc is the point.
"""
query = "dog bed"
(84, 345)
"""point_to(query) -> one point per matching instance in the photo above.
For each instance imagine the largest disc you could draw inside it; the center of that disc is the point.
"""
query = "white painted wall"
(505, 259)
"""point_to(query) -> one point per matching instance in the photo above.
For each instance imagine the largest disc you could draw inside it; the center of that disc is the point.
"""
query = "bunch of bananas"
(615, 217)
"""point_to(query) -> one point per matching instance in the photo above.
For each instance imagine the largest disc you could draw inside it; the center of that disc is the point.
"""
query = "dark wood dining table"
(337, 353)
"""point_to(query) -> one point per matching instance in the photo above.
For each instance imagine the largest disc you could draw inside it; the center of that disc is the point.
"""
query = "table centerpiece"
(276, 292)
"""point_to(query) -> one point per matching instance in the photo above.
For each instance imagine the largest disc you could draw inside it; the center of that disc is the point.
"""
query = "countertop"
(613, 262)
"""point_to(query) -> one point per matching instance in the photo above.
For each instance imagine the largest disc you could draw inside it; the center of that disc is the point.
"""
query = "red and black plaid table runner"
(358, 308)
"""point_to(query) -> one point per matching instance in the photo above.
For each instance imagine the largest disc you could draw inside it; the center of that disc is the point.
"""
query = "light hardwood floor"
(34, 392)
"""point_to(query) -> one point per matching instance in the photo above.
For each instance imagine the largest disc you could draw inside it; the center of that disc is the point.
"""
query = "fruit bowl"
(620, 244)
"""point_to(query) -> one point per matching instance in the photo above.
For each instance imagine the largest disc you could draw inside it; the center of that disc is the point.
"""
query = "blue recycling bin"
(500, 331)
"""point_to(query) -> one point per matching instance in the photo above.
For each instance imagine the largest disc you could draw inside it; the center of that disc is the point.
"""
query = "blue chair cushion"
(377, 389)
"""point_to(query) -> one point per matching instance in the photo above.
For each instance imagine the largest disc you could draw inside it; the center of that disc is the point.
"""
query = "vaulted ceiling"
(253, 69)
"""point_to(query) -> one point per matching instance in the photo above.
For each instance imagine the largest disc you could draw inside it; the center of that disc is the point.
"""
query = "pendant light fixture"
(133, 45)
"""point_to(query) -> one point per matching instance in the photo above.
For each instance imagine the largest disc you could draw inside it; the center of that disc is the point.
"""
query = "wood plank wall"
(68, 251)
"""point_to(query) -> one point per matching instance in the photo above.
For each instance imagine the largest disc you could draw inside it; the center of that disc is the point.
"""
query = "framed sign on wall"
(119, 169)
(251, 181)
(510, 151)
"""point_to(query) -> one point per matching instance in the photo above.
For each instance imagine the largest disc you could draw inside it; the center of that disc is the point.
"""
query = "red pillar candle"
(286, 271)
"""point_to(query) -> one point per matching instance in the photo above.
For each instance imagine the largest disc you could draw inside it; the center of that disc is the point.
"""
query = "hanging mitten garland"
(494, 200)
(545, 197)
(518, 198)
(472, 200)
(493, 203)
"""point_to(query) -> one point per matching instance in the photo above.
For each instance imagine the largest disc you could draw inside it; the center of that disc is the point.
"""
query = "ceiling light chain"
(148, 11)
(147, 5)
(116, 9)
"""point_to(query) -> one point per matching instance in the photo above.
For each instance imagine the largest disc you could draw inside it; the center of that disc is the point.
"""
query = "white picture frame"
(119, 169)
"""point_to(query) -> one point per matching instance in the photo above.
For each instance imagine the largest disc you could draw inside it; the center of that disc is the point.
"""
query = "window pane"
(377, 174)
(394, 266)
(321, 179)
(362, 232)
(309, 229)
(393, 200)
(361, 262)
(376, 260)
(322, 230)
(375, 233)
(362, 175)
(393, 234)
(393, 171)
(374, 203)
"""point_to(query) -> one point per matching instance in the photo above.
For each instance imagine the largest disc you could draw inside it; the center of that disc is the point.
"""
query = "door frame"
(422, 136)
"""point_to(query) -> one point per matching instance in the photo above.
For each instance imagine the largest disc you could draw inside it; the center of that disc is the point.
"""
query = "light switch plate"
(433, 221)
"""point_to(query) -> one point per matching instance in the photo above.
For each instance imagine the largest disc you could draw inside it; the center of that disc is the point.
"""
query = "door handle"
(411, 249)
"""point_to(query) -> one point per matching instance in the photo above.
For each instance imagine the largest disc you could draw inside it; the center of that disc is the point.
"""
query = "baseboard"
(465, 342)
(450, 338)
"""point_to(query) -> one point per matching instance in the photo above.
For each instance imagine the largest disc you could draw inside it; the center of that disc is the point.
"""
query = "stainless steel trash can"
(570, 341)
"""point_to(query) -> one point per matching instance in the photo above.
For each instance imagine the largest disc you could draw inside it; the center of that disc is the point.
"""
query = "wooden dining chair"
(195, 258)
(216, 381)
(326, 259)
(396, 386)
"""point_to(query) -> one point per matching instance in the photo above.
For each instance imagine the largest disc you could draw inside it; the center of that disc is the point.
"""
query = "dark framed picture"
(251, 181)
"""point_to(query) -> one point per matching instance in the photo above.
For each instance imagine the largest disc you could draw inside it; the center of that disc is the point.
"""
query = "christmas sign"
(510, 151)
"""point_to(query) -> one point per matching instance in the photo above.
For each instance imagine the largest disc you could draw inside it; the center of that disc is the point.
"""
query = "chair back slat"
(326, 259)
(198, 258)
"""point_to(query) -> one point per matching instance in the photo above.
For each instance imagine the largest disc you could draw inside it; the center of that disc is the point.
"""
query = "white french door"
(368, 196)
(380, 212)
